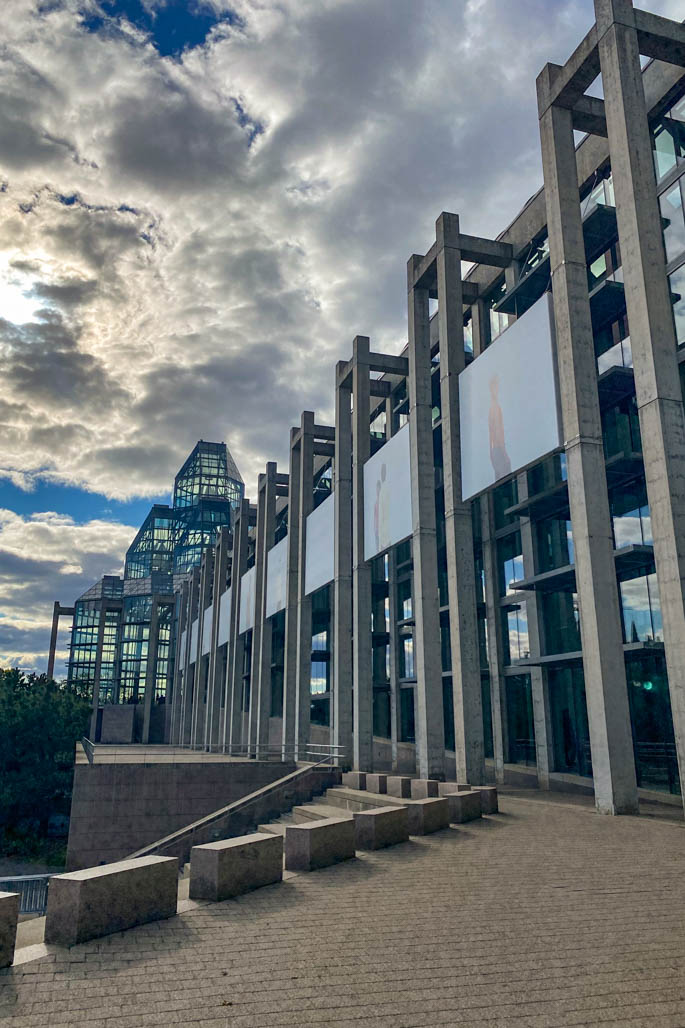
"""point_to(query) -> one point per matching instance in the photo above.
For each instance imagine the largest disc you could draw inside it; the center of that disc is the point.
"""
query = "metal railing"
(88, 748)
(310, 751)
(32, 889)
(185, 835)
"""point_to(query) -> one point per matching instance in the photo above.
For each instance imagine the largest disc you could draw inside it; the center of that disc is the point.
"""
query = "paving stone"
(546, 915)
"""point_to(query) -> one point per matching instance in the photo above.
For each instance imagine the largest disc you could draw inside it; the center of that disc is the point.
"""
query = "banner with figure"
(387, 496)
(509, 403)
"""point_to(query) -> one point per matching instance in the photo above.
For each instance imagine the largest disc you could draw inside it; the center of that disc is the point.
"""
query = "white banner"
(276, 564)
(508, 403)
(387, 496)
(224, 628)
(320, 554)
(247, 601)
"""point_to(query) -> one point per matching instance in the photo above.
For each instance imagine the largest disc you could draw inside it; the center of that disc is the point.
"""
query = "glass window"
(570, 731)
(650, 710)
(487, 717)
(561, 622)
(673, 222)
(676, 283)
(554, 544)
(515, 633)
(407, 729)
(641, 609)
(509, 562)
(448, 712)
(621, 428)
(404, 604)
(381, 713)
(669, 141)
(520, 724)
(445, 648)
(630, 516)
(503, 497)
(406, 654)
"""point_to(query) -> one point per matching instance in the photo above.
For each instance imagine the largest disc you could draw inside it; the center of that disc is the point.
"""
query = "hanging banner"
(276, 565)
(509, 403)
(224, 627)
(247, 600)
(320, 555)
(387, 496)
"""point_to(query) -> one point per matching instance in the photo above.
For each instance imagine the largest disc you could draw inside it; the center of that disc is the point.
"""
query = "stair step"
(317, 811)
(274, 828)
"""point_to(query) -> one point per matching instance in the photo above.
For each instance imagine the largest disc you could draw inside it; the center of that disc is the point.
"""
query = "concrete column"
(213, 711)
(260, 703)
(539, 683)
(98, 669)
(361, 571)
(179, 664)
(303, 691)
(429, 717)
(498, 698)
(461, 576)
(189, 679)
(342, 584)
(151, 670)
(198, 720)
(290, 669)
(232, 728)
(605, 678)
(53, 639)
(652, 334)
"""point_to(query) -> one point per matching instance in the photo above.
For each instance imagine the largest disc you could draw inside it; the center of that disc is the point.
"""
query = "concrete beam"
(589, 116)
(387, 364)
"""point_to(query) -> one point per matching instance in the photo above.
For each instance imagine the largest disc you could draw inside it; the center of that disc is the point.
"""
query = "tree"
(40, 723)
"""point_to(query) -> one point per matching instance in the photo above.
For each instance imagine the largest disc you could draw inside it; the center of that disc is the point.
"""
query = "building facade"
(122, 639)
(426, 588)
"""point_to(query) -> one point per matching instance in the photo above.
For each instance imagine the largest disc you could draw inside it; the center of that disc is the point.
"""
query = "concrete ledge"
(447, 788)
(231, 867)
(488, 798)
(380, 827)
(463, 806)
(377, 784)
(424, 788)
(86, 904)
(319, 843)
(429, 815)
(9, 917)
(354, 779)
(398, 785)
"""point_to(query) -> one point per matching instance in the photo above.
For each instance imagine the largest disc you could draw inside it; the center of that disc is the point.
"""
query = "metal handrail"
(232, 808)
(89, 749)
(32, 889)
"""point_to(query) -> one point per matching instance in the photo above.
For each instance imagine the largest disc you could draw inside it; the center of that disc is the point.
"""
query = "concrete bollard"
(463, 806)
(429, 815)
(377, 783)
(231, 867)
(380, 827)
(319, 843)
(399, 785)
(97, 901)
(424, 788)
(354, 779)
(488, 798)
(9, 917)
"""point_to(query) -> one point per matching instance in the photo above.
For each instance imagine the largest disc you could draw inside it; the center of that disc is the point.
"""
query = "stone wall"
(117, 808)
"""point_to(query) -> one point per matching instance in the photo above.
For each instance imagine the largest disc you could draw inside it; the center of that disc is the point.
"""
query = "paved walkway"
(542, 916)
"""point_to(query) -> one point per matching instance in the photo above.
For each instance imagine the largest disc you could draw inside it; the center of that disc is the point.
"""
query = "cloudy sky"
(201, 203)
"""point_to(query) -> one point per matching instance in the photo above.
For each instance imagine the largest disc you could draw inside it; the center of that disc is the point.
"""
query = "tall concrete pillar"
(304, 602)
(605, 678)
(539, 683)
(429, 717)
(290, 670)
(652, 334)
(498, 697)
(361, 571)
(214, 685)
(98, 669)
(233, 712)
(179, 664)
(260, 703)
(342, 584)
(190, 676)
(461, 578)
(151, 670)
(199, 694)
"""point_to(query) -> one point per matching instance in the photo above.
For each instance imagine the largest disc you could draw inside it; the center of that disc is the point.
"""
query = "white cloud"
(47, 557)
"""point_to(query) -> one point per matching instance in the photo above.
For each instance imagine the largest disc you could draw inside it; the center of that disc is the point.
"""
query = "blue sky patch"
(174, 25)
(78, 504)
